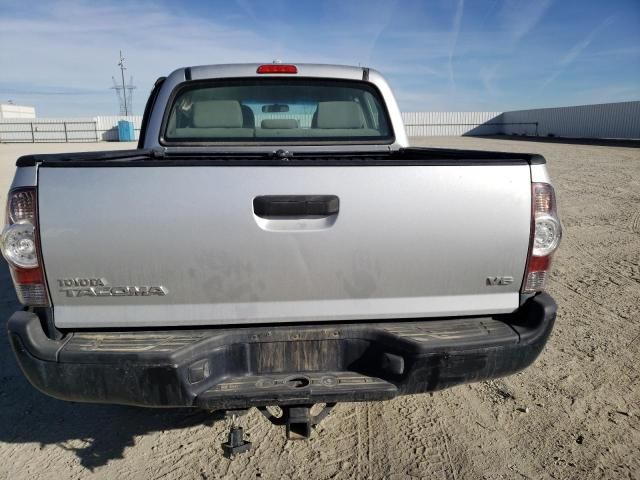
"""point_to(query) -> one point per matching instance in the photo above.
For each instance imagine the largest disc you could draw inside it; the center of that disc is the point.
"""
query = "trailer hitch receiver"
(297, 419)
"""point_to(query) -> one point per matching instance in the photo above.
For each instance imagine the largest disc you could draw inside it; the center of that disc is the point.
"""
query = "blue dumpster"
(125, 131)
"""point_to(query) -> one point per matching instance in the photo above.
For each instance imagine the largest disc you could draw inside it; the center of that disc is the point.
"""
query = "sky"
(438, 55)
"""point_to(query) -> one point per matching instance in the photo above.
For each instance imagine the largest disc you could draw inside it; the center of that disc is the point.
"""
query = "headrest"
(340, 115)
(279, 123)
(217, 114)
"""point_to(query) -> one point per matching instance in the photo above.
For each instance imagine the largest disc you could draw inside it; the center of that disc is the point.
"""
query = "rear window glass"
(277, 110)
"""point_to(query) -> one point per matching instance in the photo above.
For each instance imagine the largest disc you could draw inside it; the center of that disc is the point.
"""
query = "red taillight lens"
(28, 276)
(277, 68)
(546, 233)
(20, 244)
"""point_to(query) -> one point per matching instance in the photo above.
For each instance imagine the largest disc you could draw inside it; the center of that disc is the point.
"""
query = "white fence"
(78, 129)
(105, 128)
(450, 124)
(610, 120)
(48, 130)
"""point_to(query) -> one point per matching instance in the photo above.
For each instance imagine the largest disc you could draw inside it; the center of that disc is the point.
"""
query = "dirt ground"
(574, 414)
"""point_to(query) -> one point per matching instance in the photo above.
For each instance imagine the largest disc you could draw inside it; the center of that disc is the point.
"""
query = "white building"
(10, 111)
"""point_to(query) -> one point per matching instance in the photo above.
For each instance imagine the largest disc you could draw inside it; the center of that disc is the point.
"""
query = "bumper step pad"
(297, 388)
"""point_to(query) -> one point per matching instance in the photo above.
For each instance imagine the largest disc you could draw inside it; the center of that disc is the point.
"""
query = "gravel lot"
(574, 414)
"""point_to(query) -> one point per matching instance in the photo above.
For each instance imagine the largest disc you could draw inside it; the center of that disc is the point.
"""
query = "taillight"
(20, 244)
(277, 68)
(546, 233)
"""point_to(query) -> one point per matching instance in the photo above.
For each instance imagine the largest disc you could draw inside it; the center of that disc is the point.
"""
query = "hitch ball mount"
(297, 420)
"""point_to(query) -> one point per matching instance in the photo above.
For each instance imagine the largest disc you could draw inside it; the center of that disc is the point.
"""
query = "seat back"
(339, 115)
(217, 114)
(216, 119)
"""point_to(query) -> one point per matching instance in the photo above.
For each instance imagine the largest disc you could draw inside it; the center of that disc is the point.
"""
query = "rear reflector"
(33, 295)
(537, 273)
(277, 68)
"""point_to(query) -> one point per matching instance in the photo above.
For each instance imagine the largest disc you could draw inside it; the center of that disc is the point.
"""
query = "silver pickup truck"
(274, 240)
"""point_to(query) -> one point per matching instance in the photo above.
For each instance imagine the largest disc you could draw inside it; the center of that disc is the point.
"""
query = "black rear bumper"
(227, 368)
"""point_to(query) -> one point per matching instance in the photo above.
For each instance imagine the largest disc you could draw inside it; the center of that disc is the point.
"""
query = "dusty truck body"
(274, 240)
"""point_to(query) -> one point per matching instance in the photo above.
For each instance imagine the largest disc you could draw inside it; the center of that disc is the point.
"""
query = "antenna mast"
(122, 69)
(124, 92)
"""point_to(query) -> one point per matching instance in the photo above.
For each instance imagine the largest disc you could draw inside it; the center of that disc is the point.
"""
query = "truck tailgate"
(407, 241)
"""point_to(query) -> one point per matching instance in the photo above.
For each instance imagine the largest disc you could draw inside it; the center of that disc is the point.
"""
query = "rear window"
(277, 110)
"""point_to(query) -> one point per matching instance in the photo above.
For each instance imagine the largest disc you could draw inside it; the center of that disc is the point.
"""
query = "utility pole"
(122, 69)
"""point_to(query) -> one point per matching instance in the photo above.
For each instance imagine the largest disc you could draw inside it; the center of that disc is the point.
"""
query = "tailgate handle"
(296, 205)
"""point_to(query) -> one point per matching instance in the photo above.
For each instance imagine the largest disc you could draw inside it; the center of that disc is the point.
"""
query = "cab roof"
(202, 72)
